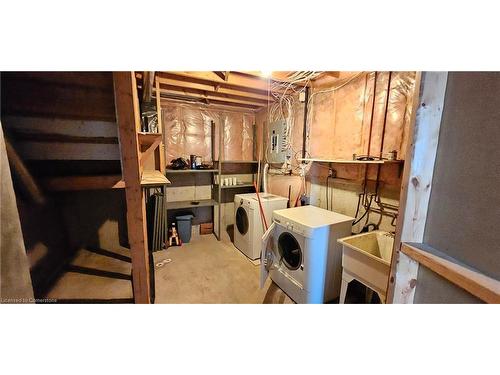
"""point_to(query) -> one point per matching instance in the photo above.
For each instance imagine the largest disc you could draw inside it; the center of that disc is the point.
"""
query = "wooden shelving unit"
(241, 161)
(191, 204)
(244, 185)
(176, 171)
(153, 178)
(216, 190)
(148, 138)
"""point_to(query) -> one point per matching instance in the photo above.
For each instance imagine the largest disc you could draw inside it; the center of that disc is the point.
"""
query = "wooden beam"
(210, 87)
(147, 86)
(77, 183)
(209, 78)
(27, 182)
(161, 149)
(474, 282)
(223, 107)
(195, 93)
(417, 181)
(209, 102)
(221, 75)
(239, 80)
(150, 150)
(128, 119)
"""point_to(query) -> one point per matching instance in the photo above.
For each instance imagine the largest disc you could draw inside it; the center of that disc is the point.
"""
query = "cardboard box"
(206, 228)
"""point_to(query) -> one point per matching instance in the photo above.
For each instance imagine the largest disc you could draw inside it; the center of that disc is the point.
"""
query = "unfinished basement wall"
(63, 124)
(188, 130)
(339, 126)
(464, 207)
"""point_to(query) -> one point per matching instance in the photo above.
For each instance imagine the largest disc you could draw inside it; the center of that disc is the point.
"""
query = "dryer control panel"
(294, 227)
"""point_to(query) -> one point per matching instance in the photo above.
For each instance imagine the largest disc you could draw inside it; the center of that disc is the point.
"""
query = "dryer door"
(241, 220)
(290, 251)
(267, 255)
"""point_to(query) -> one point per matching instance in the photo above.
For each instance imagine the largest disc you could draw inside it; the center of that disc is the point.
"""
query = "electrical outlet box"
(277, 152)
(302, 96)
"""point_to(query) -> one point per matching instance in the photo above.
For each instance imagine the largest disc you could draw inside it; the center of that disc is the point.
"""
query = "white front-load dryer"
(248, 225)
(301, 253)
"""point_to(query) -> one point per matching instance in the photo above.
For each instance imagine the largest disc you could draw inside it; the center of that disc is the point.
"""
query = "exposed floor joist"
(211, 87)
(195, 93)
(182, 98)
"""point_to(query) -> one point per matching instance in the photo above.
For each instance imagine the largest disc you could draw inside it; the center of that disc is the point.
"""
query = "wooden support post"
(128, 119)
(161, 149)
(417, 182)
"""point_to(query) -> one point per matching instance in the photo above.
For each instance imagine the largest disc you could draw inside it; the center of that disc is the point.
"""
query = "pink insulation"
(187, 130)
(340, 123)
(238, 136)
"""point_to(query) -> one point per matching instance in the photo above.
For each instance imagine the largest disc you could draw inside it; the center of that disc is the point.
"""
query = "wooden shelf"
(245, 185)
(153, 178)
(240, 161)
(189, 204)
(344, 161)
(473, 281)
(192, 170)
(148, 138)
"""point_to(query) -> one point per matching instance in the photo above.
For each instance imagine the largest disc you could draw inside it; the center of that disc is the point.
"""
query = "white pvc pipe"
(264, 177)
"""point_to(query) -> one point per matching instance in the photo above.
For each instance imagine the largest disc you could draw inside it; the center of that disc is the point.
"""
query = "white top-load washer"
(248, 225)
(301, 253)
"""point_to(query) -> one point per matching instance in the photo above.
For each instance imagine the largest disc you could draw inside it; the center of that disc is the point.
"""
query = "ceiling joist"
(247, 90)
(170, 89)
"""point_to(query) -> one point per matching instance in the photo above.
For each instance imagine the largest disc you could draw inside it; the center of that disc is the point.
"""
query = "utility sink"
(366, 257)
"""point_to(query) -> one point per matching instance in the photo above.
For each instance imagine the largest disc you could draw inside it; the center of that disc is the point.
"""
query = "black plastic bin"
(184, 227)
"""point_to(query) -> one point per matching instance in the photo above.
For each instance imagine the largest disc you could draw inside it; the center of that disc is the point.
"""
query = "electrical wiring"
(284, 91)
(310, 103)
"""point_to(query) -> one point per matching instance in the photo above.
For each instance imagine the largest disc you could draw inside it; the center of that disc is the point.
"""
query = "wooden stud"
(161, 149)
(147, 86)
(128, 119)
(417, 182)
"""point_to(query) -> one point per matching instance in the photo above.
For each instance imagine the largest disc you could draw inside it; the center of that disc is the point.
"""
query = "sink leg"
(346, 279)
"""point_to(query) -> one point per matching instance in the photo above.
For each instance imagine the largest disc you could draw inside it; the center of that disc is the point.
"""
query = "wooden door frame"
(417, 181)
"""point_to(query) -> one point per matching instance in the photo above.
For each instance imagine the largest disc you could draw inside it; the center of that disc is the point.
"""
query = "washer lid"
(311, 216)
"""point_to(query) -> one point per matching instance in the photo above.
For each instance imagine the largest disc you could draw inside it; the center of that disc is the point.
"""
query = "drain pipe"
(264, 177)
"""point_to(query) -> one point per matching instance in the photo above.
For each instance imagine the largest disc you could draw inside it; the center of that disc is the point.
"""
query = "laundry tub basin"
(366, 257)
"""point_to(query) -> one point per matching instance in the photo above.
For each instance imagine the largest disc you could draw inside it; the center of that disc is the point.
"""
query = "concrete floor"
(202, 271)
(210, 271)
